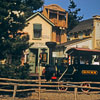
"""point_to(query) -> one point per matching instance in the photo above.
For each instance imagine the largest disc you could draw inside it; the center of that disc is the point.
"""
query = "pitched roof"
(83, 51)
(72, 42)
(41, 15)
(55, 7)
(83, 25)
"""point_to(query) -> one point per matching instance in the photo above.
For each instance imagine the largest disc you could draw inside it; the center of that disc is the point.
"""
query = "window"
(87, 33)
(75, 35)
(37, 29)
(57, 38)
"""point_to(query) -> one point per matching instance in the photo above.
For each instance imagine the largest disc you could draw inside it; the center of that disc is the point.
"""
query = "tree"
(31, 5)
(73, 18)
(12, 42)
(12, 18)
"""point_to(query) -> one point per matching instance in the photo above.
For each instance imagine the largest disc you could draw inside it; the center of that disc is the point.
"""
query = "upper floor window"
(57, 38)
(75, 35)
(62, 17)
(37, 30)
(87, 34)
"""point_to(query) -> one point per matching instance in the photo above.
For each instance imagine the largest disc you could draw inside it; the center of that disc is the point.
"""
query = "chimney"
(96, 17)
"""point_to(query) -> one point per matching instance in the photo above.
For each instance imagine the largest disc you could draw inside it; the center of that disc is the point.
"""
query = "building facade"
(96, 33)
(39, 29)
(88, 29)
(42, 28)
(85, 35)
(59, 17)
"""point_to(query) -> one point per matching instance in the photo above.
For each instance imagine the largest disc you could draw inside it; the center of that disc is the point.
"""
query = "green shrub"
(14, 71)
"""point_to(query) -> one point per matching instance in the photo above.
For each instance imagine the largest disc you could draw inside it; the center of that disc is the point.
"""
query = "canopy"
(85, 51)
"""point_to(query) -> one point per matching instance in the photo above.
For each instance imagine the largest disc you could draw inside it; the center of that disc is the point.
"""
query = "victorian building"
(85, 35)
(47, 26)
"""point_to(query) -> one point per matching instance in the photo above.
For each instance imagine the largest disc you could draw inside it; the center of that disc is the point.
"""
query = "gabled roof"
(55, 7)
(82, 26)
(41, 15)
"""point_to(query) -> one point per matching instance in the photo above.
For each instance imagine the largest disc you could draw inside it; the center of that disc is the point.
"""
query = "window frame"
(76, 36)
(37, 31)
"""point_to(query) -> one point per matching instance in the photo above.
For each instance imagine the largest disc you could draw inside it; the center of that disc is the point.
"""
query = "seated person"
(82, 61)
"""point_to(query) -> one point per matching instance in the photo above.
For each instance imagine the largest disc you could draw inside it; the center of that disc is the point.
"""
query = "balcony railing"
(59, 23)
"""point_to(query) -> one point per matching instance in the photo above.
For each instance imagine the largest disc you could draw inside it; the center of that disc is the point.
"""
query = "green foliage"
(14, 72)
(13, 14)
(15, 47)
(31, 5)
(73, 18)
(12, 19)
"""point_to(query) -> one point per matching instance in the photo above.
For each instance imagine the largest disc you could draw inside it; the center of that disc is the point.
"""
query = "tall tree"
(12, 19)
(73, 18)
(31, 5)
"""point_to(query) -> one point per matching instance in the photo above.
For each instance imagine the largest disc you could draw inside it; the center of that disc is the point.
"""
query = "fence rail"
(41, 85)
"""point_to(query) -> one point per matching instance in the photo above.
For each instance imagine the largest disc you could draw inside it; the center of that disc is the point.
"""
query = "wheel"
(62, 88)
(85, 90)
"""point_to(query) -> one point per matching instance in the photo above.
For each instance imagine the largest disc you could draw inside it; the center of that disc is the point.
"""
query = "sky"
(89, 8)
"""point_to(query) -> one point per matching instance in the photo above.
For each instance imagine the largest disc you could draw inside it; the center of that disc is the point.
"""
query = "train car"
(84, 64)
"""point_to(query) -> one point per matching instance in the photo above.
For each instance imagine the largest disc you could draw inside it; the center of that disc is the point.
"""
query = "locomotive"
(81, 65)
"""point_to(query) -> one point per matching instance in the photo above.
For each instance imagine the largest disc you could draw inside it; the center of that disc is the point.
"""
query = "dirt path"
(56, 96)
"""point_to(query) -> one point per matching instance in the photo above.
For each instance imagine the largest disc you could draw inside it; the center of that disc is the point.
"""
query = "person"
(82, 60)
(95, 61)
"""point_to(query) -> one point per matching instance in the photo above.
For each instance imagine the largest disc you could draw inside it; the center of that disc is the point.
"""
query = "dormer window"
(75, 35)
(37, 31)
(87, 34)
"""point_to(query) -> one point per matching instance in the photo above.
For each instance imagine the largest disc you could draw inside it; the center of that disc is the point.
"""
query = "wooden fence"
(41, 85)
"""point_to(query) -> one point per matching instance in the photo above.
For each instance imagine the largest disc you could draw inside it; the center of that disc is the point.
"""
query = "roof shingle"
(83, 25)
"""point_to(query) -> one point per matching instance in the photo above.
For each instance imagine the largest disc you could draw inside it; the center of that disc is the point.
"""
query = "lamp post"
(51, 46)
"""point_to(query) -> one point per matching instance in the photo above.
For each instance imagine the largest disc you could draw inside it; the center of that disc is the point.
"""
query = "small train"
(81, 65)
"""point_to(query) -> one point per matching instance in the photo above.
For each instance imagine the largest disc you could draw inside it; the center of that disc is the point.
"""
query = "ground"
(56, 96)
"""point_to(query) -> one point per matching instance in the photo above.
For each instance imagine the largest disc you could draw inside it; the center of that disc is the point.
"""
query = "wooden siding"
(57, 15)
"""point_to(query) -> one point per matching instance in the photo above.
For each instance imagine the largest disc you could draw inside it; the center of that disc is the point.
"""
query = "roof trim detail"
(55, 7)
(38, 13)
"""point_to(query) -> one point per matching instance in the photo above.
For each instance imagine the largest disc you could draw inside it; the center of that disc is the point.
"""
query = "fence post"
(14, 92)
(75, 91)
(39, 86)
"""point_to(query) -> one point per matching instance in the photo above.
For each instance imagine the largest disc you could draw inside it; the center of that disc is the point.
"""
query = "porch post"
(39, 60)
